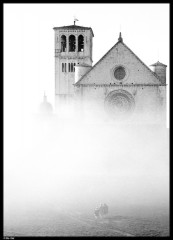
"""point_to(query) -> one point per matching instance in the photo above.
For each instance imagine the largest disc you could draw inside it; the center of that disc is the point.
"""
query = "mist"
(59, 164)
(71, 161)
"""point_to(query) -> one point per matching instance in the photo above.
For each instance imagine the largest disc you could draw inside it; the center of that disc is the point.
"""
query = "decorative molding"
(119, 85)
(119, 102)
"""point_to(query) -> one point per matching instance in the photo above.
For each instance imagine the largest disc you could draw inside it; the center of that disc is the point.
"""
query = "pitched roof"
(78, 83)
(74, 27)
(158, 64)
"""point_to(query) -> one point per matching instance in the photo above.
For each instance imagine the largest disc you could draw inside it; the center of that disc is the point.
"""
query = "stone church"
(119, 85)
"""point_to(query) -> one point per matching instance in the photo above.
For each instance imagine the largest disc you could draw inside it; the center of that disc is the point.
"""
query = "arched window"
(69, 67)
(63, 43)
(62, 67)
(80, 43)
(72, 43)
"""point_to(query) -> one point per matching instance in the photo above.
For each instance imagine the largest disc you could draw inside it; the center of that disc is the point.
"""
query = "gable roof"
(119, 42)
(75, 27)
(158, 64)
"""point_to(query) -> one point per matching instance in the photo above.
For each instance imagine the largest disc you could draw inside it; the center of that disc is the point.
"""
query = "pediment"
(120, 66)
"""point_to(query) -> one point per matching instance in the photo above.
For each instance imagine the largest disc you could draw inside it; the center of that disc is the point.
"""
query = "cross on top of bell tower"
(75, 19)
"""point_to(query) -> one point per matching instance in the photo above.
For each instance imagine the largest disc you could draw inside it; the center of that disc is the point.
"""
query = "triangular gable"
(139, 73)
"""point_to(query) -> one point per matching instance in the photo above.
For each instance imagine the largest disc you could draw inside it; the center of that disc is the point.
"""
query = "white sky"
(29, 42)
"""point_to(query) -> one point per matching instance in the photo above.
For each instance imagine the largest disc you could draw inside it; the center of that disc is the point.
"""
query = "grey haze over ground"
(52, 165)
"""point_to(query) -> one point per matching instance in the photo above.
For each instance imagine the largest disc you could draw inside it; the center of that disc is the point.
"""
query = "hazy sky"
(29, 42)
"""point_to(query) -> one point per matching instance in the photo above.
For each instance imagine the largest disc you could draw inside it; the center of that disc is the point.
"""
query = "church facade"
(118, 85)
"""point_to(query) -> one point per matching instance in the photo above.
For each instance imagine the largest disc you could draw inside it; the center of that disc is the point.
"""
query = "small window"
(71, 67)
(119, 73)
(62, 67)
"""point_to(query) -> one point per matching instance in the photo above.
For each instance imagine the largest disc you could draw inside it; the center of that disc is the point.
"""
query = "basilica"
(118, 85)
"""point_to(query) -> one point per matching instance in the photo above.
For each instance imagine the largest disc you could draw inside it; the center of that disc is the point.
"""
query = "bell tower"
(73, 46)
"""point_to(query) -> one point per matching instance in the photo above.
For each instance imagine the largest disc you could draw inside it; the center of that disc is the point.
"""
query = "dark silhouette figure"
(101, 211)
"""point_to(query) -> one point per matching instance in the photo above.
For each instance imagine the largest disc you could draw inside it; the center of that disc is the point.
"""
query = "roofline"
(156, 64)
(122, 85)
(95, 65)
(88, 28)
(154, 74)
